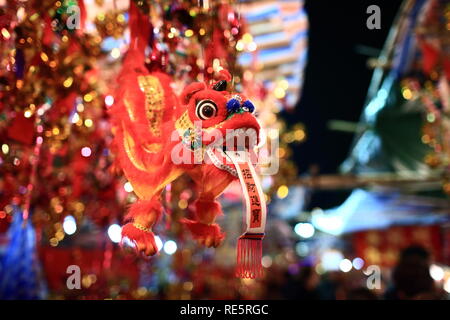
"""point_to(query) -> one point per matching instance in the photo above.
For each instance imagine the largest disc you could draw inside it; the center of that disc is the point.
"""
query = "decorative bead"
(233, 105)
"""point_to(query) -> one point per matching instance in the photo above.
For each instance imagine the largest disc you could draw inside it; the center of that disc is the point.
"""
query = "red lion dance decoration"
(159, 136)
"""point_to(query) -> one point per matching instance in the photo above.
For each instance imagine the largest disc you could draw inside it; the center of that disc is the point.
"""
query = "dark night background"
(337, 78)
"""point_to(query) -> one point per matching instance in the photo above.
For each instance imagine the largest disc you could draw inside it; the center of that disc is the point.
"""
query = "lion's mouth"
(241, 141)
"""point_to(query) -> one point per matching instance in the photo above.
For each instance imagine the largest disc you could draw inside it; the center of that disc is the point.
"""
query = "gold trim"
(152, 147)
(141, 227)
(129, 108)
(129, 146)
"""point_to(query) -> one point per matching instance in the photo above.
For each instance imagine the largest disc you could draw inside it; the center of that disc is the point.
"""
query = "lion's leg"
(203, 227)
(210, 185)
(142, 216)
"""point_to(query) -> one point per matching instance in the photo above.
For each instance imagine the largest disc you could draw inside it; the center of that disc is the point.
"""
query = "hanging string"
(35, 159)
(202, 51)
(139, 28)
(238, 12)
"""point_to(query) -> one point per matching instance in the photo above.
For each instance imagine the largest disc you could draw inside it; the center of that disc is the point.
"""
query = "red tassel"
(249, 254)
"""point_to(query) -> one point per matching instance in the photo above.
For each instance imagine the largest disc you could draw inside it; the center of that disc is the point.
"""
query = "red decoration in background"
(22, 129)
(48, 36)
(431, 38)
(446, 244)
(5, 221)
(62, 107)
(382, 247)
(55, 262)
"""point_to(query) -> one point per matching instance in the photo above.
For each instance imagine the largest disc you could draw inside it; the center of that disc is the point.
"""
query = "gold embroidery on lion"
(154, 102)
(183, 123)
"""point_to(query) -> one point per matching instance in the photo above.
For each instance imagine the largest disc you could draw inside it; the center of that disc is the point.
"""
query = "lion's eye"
(206, 109)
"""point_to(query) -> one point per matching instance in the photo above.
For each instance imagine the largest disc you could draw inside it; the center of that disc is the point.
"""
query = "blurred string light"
(88, 97)
(170, 247)
(5, 148)
(330, 260)
(182, 204)
(266, 261)
(115, 53)
(302, 249)
(266, 182)
(304, 230)
(447, 285)
(109, 101)
(436, 272)
(358, 263)
(5, 33)
(252, 46)
(68, 82)
(319, 269)
(282, 192)
(345, 265)
(407, 93)
(75, 118)
(69, 225)
(239, 45)
(86, 152)
(88, 123)
(115, 233)
(296, 135)
(279, 93)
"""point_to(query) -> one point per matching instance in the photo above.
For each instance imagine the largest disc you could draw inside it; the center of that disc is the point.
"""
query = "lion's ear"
(220, 85)
(224, 75)
(190, 90)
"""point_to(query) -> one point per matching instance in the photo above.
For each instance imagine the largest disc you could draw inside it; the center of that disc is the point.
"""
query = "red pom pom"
(143, 240)
(207, 206)
(210, 235)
